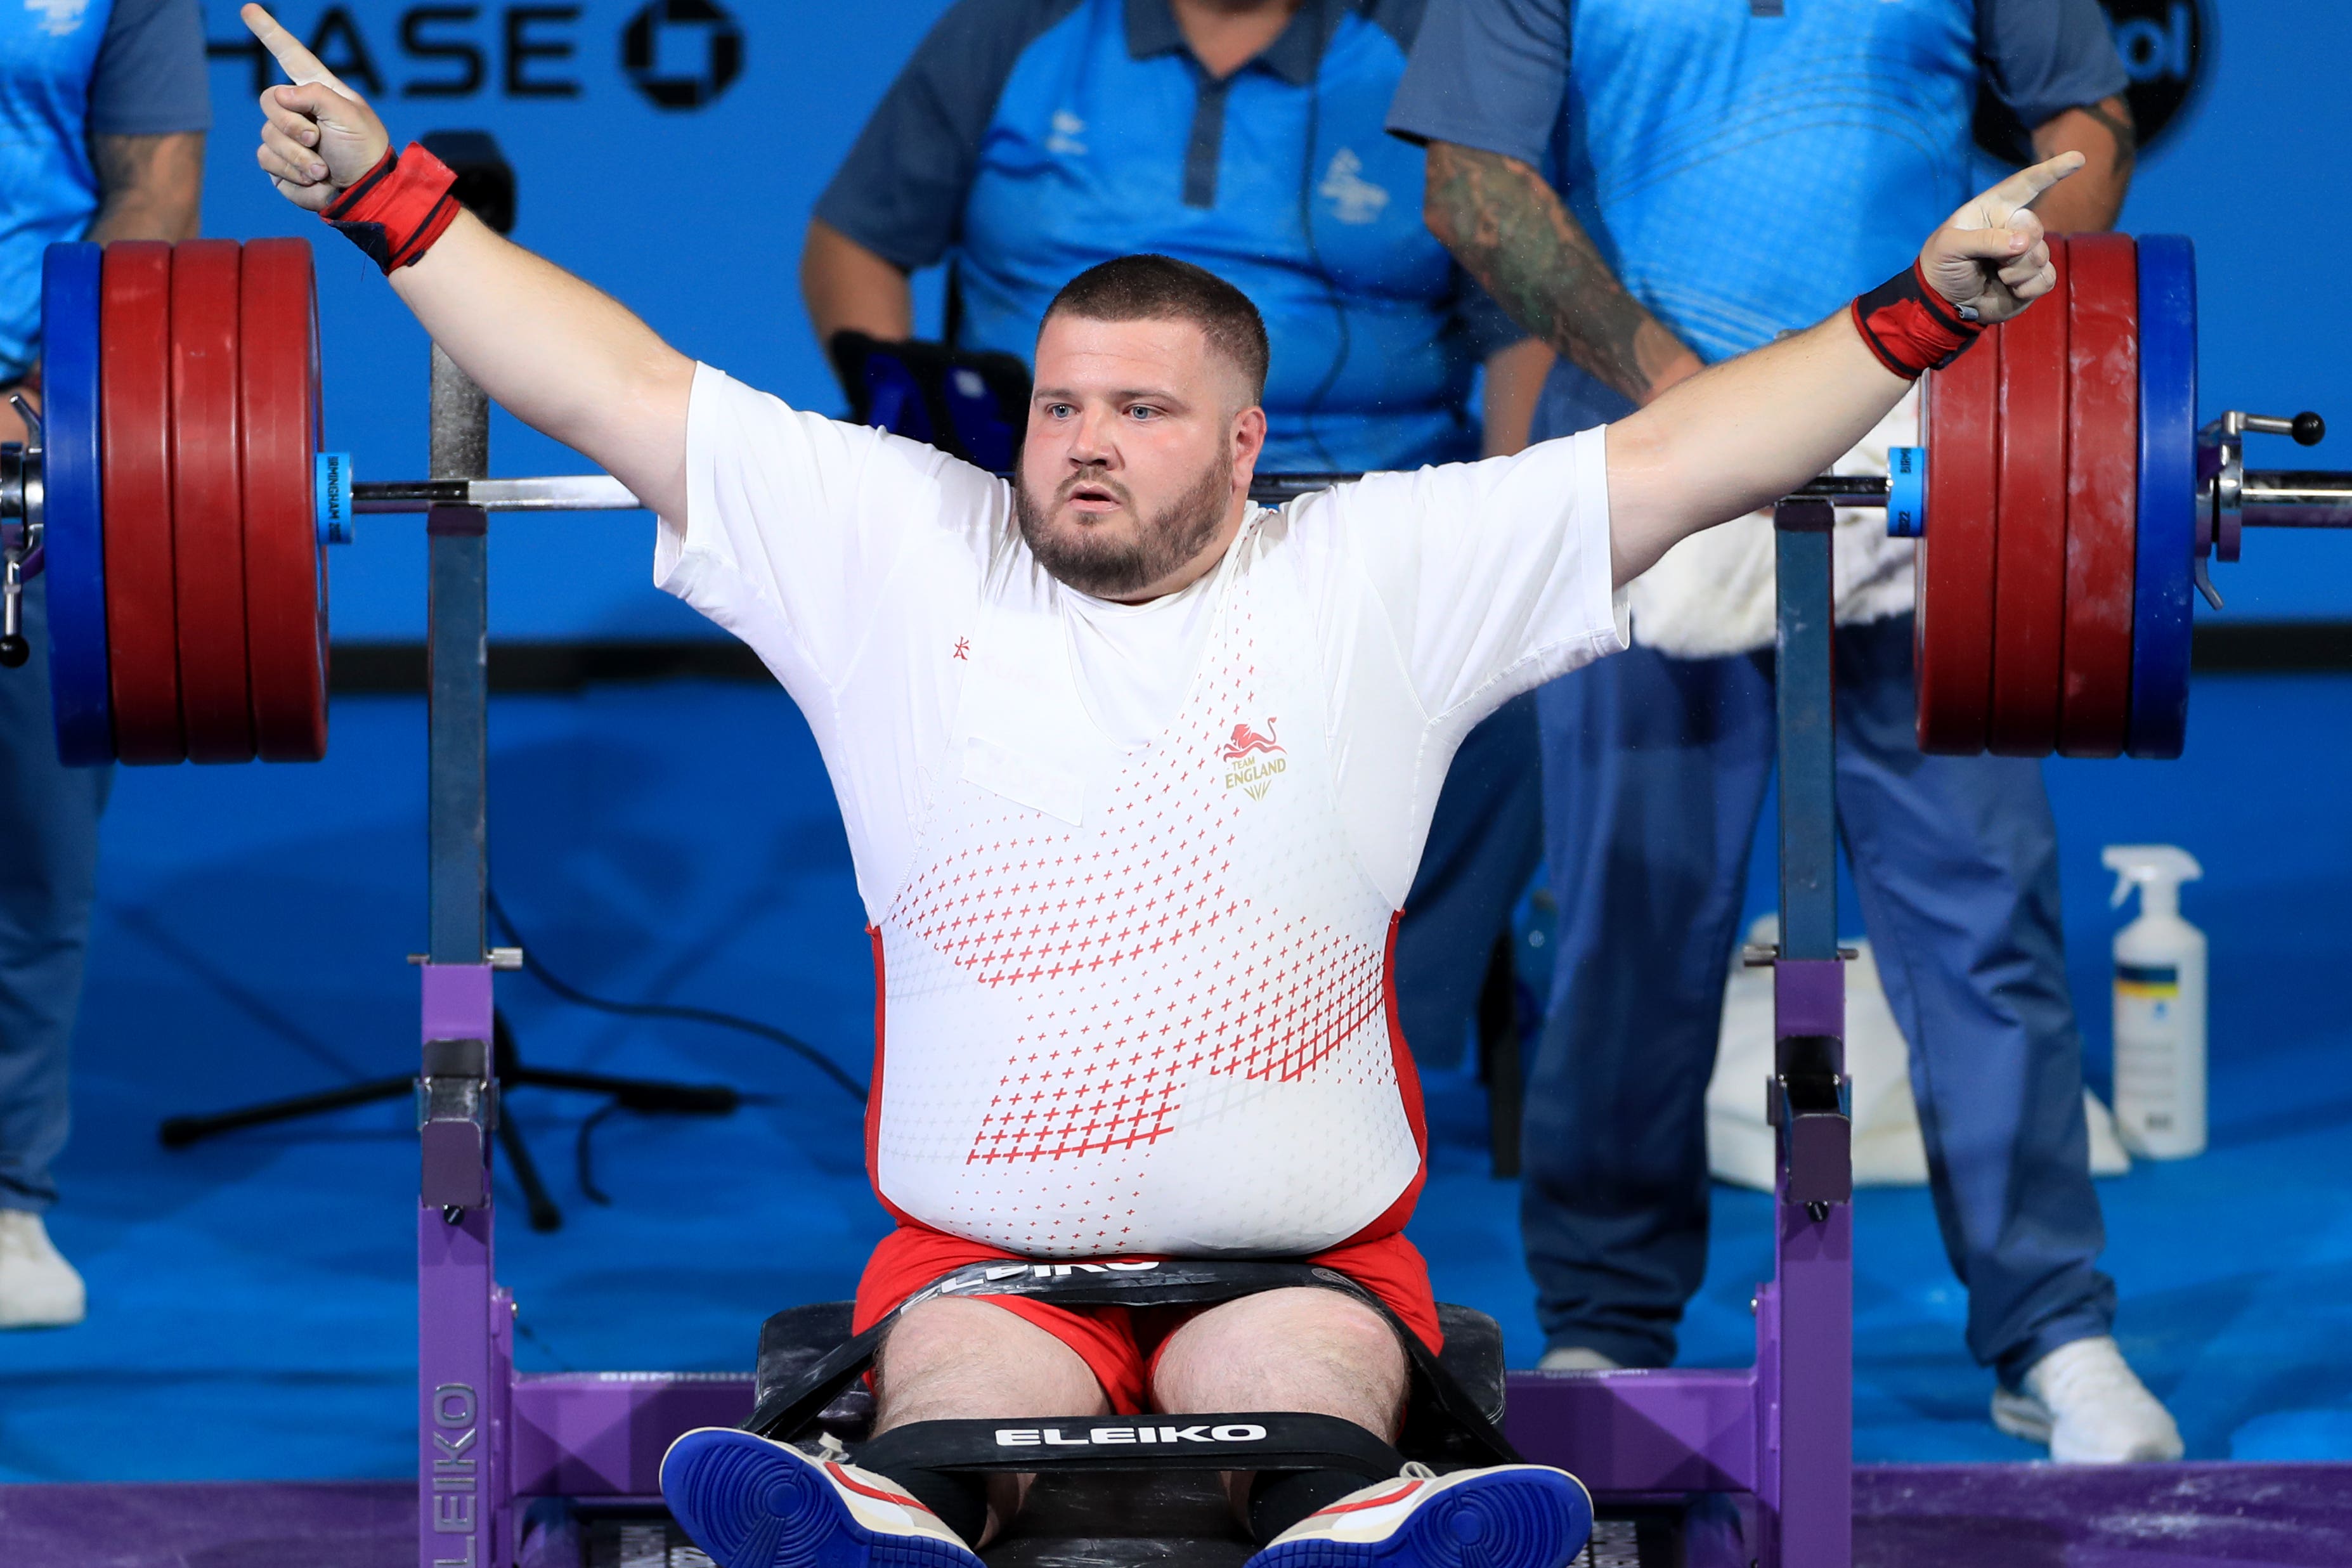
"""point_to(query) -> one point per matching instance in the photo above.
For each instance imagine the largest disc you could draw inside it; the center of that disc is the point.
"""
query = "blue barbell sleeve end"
(333, 493)
(1907, 492)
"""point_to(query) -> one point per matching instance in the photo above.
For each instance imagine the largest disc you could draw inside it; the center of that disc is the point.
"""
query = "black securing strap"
(1443, 1425)
(1254, 1441)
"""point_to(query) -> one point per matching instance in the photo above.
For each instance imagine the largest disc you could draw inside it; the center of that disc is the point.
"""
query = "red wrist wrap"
(1910, 327)
(396, 210)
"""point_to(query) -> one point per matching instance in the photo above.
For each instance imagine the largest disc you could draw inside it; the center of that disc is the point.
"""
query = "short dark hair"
(1150, 288)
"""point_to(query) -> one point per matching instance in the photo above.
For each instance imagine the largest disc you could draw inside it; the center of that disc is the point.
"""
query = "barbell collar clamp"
(20, 535)
(2222, 471)
(13, 649)
(21, 494)
(2307, 428)
(21, 497)
(2203, 579)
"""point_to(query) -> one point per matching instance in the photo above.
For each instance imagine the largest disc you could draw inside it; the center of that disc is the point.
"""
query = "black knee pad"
(960, 1500)
(1280, 1499)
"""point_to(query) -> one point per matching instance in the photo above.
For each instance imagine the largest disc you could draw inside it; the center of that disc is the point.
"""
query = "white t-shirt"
(1132, 869)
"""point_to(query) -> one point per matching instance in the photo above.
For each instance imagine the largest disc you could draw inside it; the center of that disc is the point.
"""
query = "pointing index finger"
(2026, 186)
(298, 62)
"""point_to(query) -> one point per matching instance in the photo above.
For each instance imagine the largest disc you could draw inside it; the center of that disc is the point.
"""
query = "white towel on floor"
(1888, 1151)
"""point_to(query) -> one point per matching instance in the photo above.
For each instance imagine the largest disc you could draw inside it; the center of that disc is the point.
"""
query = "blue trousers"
(1485, 840)
(1656, 771)
(48, 879)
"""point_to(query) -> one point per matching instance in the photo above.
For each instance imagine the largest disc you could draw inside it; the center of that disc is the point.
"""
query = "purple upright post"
(1804, 1318)
(463, 1347)
(462, 1380)
(1782, 1434)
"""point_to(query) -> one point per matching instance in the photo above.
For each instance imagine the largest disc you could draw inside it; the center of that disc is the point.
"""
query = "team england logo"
(1253, 762)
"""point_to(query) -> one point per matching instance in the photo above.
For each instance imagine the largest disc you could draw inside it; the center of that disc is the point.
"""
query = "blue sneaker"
(1506, 1516)
(753, 1503)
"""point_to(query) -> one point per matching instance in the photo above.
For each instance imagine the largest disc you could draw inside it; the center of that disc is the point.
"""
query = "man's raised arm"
(1742, 433)
(564, 358)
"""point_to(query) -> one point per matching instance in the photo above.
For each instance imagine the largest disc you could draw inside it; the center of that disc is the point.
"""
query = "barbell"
(178, 495)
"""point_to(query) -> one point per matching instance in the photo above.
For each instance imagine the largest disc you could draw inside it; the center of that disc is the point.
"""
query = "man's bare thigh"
(948, 1359)
(1300, 1349)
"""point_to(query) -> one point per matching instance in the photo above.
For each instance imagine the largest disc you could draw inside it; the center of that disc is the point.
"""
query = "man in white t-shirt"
(1135, 775)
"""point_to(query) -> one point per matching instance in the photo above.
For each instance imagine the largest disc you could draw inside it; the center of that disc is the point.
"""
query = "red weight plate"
(2029, 617)
(2102, 493)
(1953, 628)
(135, 427)
(207, 502)
(285, 602)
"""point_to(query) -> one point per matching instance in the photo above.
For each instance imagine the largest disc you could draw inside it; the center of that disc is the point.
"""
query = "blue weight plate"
(2167, 495)
(72, 478)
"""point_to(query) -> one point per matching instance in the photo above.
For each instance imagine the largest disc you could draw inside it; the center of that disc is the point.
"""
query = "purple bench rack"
(1774, 1439)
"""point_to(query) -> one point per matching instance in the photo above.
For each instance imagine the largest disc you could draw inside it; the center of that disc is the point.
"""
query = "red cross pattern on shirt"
(1071, 919)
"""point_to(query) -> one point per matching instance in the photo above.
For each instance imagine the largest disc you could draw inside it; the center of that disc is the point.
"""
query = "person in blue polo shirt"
(102, 114)
(1028, 140)
(1676, 130)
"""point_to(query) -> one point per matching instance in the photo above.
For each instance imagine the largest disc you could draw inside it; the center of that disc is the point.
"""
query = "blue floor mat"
(251, 1308)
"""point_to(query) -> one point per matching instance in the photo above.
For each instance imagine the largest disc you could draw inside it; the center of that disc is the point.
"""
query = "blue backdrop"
(692, 214)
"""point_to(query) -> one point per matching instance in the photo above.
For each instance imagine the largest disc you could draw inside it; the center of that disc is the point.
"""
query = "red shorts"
(1119, 1344)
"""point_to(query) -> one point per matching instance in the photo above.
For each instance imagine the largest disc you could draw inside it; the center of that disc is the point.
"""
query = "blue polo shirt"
(69, 70)
(1745, 166)
(1028, 140)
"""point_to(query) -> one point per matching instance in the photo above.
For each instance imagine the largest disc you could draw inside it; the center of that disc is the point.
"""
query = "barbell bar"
(178, 497)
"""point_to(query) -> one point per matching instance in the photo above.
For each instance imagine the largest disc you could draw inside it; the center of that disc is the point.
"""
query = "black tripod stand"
(628, 1094)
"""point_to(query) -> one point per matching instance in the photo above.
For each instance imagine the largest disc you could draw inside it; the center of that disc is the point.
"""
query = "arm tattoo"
(2115, 117)
(125, 163)
(150, 186)
(1509, 229)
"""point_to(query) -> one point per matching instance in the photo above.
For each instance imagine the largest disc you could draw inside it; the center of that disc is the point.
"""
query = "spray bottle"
(2159, 1006)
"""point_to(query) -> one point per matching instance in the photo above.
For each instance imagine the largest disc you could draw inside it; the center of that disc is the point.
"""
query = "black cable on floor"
(583, 1163)
(574, 994)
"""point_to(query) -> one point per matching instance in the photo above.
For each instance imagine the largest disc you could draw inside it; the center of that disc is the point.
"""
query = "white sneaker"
(753, 1503)
(1504, 1516)
(1577, 1358)
(2088, 1405)
(38, 1289)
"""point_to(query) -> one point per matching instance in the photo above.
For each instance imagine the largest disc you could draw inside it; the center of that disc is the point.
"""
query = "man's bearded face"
(1128, 472)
